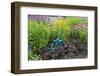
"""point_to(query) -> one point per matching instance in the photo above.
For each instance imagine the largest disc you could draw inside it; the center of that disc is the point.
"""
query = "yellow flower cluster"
(61, 24)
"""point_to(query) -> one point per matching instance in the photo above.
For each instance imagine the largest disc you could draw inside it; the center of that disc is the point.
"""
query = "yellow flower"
(61, 24)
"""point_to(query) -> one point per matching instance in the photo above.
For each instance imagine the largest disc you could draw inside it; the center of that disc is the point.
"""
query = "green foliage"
(79, 34)
(63, 26)
(84, 21)
(38, 35)
(73, 20)
(60, 27)
(32, 56)
(74, 34)
(83, 35)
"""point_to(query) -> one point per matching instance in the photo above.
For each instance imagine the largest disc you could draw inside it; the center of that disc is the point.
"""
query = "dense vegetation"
(41, 37)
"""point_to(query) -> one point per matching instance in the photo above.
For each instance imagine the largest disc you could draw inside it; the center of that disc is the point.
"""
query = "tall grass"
(38, 35)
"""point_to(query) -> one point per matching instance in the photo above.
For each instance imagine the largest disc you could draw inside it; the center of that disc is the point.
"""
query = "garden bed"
(54, 37)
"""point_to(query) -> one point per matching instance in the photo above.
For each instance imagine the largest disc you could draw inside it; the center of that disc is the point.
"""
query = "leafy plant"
(64, 26)
(60, 28)
(83, 35)
(79, 34)
(74, 34)
(32, 56)
(38, 35)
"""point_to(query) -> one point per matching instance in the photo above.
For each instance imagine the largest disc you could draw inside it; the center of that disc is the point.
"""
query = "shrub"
(83, 35)
(79, 34)
(38, 34)
(60, 28)
(74, 34)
